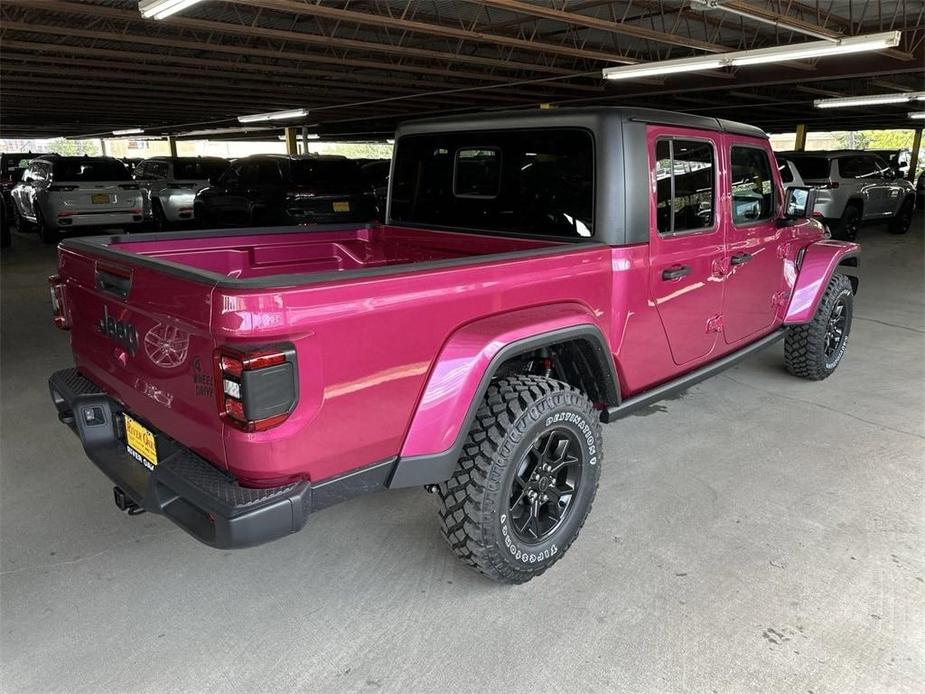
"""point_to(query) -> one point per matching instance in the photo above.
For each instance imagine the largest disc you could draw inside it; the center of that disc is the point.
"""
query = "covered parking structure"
(757, 533)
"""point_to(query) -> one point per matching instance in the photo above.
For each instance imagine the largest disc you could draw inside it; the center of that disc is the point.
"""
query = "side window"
(884, 170)
(856, 167)
(685, 175)
(752, 185)
(141, 172)
(158, 170)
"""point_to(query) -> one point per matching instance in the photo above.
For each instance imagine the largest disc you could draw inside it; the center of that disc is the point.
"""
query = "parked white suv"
(855, 187)
(171, 184)
(59, 193)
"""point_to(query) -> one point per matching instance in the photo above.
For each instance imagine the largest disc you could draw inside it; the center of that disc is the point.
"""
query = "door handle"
(740, 258)
(676, 273)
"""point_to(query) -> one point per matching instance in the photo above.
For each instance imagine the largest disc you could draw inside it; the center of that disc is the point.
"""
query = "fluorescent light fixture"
(664, 67)
(274, 115)
(128, 131)
(869, 100)
(758, 56)
(917, 115)
(159, 9)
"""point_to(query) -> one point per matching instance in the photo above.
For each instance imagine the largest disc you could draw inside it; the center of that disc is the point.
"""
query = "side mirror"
(799, 203)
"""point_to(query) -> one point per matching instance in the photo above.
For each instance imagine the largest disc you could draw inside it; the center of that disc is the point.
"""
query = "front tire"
(526, 479)
(816, 349)
(903, 220)
(847, 227)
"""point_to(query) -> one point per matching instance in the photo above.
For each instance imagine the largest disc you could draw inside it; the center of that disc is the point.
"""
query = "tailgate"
(143, 336)
(99, 197)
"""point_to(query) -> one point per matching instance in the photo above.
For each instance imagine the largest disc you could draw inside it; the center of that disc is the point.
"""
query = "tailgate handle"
(113, 282)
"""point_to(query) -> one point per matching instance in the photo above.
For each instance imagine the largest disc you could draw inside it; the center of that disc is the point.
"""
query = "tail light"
(129, 186)
(59, 188)
(257, 387)
(58, 305)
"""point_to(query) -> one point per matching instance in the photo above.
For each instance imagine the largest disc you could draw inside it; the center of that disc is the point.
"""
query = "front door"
(686, 240)
(755, 264)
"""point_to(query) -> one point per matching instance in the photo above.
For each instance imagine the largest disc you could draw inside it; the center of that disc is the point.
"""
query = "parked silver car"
(171, 184)
(58, 193)
(855, 187)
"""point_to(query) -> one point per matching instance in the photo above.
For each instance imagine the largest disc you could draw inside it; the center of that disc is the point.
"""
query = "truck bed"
(232, 255)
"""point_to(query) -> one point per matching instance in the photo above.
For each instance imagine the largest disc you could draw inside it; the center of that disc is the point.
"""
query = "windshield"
(812, 167)
(532, 181)
(199, 169)
(90, 170)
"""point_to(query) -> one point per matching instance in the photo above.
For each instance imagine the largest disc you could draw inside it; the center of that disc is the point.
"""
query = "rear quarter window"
(538, 181)
(812, 168)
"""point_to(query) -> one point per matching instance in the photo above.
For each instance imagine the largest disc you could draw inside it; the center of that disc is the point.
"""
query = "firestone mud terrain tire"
(526, 479)
(814, 350)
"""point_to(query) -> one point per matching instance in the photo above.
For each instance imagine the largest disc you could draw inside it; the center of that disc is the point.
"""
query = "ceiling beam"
(432, 29)
(546, 12)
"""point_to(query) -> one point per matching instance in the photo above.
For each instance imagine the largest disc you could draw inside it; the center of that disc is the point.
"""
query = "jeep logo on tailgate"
(122, 332)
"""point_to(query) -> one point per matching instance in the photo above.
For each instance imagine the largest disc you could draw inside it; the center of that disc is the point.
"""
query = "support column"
(172, 143)
(304, 139)
(103, 147)
(292, 145)
(800, 144)
(914, 161)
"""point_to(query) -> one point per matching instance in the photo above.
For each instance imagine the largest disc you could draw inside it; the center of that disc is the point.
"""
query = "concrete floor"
(761, 533)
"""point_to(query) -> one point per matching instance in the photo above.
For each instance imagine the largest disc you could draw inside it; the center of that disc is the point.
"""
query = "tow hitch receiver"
(124, 503)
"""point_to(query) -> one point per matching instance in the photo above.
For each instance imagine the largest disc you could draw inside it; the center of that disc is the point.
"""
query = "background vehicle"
(271, 189)
(920, 191)
(789, 174)
(59, 193)
(377, 173)
(12, 164)
(171, 184)
(540, 273)
(856, 187)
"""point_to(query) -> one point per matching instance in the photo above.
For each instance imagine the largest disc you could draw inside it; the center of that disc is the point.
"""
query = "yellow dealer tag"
(140, 441)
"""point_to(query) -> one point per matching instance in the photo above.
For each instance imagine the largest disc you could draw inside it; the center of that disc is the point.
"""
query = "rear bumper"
(96, 219)
(188, 490)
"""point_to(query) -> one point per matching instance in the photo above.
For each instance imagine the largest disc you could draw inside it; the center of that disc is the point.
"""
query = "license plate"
(342, 206)
(99, 198)
(140, 443)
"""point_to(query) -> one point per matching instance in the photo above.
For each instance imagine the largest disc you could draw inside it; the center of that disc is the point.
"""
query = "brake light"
(58, 305)
(256, 388)
(60, 188)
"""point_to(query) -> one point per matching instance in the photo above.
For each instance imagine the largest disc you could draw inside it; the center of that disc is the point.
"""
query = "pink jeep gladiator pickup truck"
(538, 273)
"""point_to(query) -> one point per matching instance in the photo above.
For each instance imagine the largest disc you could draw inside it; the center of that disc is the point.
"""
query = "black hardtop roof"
(576, 117)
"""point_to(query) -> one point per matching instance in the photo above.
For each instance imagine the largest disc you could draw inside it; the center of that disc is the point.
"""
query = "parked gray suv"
(855, 187)
(171, 184)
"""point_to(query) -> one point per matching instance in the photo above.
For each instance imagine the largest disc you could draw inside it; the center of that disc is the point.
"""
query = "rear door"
(686, 243)
(755, 263)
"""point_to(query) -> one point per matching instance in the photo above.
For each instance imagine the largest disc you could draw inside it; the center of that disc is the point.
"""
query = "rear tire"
(47, 233)
(847, 227)
(526, 479)
(901, 223)
(815, 350)
(158, 218)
